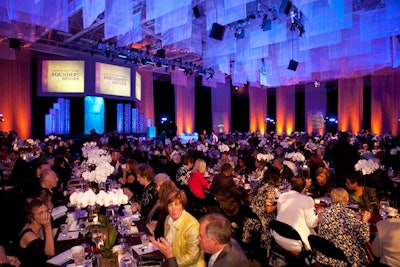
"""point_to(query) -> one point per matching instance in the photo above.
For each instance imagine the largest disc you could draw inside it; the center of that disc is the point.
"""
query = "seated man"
(296, 210)
(215, 239)
(229, 196)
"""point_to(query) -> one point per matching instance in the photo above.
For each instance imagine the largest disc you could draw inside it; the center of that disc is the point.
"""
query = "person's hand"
(366, 215)
(45, 219)
(122, 180)
(128, 192)
(308, 182)
(163, 246)
(14, 261)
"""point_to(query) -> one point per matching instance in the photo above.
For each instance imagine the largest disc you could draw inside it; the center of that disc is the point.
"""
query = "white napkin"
(133, 230)
(61, 258)
(70, 236)
(58, 212)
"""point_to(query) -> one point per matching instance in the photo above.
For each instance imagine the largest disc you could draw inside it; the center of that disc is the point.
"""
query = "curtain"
(285, 109)
(258, 109)
(146, 105)
(15, 94)
(350, 104)
(221, 107)
(385, 103)
(185, 105)
(315, 105)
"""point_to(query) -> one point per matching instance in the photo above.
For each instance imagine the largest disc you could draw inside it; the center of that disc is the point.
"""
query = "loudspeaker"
(293, 65)
(217, 31)
(285, 7)
(161, 53)
(198, 11)
(266, 25)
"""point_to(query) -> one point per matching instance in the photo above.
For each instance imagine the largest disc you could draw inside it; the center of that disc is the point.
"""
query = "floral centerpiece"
(366, 166)
(265, 157)
(295, 157)
(223, 148)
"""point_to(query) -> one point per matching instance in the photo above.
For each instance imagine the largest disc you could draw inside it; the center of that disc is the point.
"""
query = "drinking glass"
(97, 236)
(383, 208)
(64, 229)
(145, 241)
(82, 228)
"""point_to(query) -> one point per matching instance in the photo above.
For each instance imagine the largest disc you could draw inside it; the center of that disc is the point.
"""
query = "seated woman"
(362, 195)
(156, 218)
(345, 229)
(197, 183)
(181, 230)
(264, 207)
(36, 238)
(148, 197)
(183, 173)
(129, 177)
(241, 168)
(323, 186)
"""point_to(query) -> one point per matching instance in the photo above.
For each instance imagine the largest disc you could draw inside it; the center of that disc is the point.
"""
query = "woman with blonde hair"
(344, 228)
(197, 183)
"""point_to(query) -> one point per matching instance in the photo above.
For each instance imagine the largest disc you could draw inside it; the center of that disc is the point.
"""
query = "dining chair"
(327, 248)
(301, 258)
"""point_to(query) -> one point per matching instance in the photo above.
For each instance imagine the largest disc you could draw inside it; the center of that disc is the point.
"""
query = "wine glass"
(97, 236)
(122, 230)
(383, 208)
(82, 227)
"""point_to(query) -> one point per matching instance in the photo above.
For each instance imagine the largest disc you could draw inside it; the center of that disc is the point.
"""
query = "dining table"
(131, 238)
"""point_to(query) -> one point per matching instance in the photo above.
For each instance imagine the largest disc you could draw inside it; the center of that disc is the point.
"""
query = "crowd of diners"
(196, 199)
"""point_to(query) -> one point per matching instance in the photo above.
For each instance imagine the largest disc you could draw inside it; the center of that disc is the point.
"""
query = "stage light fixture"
(239, 33)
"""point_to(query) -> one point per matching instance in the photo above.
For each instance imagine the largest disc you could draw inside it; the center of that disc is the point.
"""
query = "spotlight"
(239, 33)
(1, 117)
(317, 84)
(161, 53)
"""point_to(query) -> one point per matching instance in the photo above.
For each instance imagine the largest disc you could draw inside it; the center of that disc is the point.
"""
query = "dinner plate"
(140, 251)
(69, 236)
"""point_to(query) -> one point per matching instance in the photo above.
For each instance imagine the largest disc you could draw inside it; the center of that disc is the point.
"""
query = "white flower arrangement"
(100, 159)
(223, 148)
(295, 156)
(264, 157)
(366, 166)
(115, 197)
(394, 151)
(202, 148)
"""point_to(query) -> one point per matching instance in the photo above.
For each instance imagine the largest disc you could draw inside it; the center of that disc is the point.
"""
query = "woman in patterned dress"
(344, 228)
(263, 207)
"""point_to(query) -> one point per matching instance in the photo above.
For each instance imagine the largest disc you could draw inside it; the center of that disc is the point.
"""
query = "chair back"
(284, 230)
(327, 248)
(302, 258)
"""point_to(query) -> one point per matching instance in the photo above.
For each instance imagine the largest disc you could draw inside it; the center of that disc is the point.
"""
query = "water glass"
(145, 241)
(64, 229)
(78, 254)
(383, 208)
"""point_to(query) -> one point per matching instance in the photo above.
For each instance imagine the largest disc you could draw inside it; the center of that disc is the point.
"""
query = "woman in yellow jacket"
(181, 230)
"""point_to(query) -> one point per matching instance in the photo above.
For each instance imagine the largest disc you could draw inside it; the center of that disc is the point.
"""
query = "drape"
(350, 104)
(385, 103)
(185, 105)
(258, 109)
(146, 105)
(315, 103)
(285, 109)
(221, 107)
(15, 94)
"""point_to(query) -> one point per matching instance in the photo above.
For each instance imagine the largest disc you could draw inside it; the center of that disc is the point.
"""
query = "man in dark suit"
(285, 172)
(229, 196)
(215, 239)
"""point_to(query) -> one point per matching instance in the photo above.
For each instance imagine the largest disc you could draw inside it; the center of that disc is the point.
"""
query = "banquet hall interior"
(261, 81)
(281, 66)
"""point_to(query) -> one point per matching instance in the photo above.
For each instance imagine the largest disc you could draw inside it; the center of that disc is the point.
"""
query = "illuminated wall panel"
(134, 120)
(120, 117)
(127, 118)
(58, 119)
(94, 114)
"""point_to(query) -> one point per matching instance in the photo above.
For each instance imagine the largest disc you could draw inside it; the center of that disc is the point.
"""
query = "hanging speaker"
(217, 31)
(198, 11)
(285, 7)
(293, 65)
